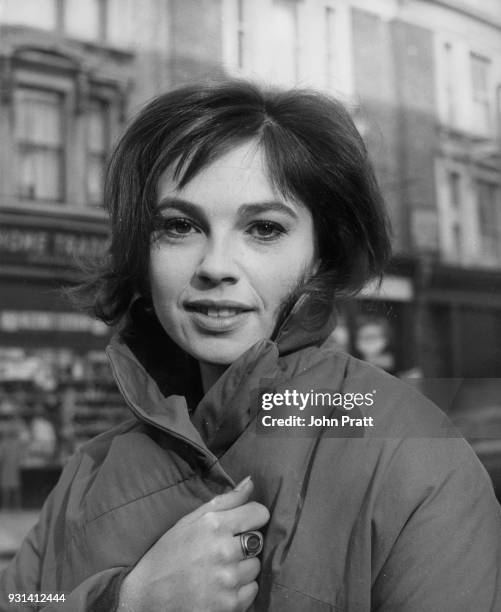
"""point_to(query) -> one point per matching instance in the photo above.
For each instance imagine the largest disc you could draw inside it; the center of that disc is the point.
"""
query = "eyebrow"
(245, 209)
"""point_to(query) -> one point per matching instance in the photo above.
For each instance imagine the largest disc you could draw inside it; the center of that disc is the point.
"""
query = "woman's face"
(226, 252)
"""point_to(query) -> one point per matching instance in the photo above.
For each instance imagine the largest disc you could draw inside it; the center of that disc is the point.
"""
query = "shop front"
(441, 332)
(378, 326)
(56, 389)
(462, 356)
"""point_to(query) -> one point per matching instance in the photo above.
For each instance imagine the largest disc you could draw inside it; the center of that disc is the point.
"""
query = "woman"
(238, 215)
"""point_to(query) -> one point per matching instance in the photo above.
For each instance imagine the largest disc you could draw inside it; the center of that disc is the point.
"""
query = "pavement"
(14, 525)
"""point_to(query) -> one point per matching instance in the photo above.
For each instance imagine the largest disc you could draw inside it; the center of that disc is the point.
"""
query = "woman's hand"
(198, 565)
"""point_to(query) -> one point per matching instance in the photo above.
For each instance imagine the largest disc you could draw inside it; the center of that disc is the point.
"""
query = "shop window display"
(51, 401)
(379, 333)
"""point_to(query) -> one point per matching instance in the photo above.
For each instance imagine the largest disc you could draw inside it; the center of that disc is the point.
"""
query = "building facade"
(71, 75)
(422, 79)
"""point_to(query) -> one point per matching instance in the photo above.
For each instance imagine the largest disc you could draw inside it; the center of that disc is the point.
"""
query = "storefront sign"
(393, 288)
(49, 246)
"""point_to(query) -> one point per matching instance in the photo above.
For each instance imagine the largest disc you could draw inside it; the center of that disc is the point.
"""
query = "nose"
(217, 263)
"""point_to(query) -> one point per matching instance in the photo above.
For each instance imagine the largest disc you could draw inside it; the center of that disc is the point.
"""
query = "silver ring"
(251, 543)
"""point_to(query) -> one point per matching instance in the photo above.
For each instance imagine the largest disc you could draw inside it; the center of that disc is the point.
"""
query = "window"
(330, 47)
(449, 76)
(285, 41)
(457, 240)
(454, 180)
(498, 104)
(454, 188)
(84, 19)
(241, 42)
(453, 208)
(480, 85)
(36, 13)
(97, 149)
(77, 18)
(489, 218)
(120, 21)
(39, 126)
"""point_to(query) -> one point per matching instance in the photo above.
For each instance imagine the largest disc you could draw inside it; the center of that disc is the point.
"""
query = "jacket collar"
(161, 383)
(308, 324)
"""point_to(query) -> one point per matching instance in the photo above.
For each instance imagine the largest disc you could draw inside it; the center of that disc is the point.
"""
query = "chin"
(220, 352)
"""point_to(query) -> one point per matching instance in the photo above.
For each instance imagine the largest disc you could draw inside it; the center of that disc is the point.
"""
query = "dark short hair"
(314, 154)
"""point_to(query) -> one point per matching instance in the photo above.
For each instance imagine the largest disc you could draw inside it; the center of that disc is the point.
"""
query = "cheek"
(283, 274)
(167, 275)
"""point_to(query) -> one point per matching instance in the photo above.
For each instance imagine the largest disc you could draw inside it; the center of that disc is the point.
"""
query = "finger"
(246, 595)
(247, 571)
(229, 549)
(234, 498)
(249, 517)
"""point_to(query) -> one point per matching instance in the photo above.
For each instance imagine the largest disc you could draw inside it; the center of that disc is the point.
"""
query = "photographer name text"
(313, 400)
(296, 421)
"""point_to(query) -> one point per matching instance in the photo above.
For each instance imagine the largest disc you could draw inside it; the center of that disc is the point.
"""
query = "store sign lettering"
(71, 245)
(22, 245)
(19, 241)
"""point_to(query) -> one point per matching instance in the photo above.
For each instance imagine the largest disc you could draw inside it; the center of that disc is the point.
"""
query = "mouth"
(217, 310)
(218, 317)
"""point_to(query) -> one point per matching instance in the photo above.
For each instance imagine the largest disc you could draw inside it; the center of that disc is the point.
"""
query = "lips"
(218, 317)
(217, 309)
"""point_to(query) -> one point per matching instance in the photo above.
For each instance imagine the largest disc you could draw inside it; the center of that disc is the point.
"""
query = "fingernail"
(243, 483)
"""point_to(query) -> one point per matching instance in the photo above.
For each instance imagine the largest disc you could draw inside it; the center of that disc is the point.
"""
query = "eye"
(177, 227)
(266, 230)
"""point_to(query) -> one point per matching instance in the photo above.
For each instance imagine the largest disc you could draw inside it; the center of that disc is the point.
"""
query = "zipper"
(144, 418)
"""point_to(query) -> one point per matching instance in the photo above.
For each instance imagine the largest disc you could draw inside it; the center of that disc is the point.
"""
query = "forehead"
(239, 173)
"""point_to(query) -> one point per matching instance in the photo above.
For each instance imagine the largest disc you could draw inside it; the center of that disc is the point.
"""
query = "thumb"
(232, 499)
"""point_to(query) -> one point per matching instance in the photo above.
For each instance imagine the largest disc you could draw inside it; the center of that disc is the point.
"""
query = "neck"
(210, 372)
